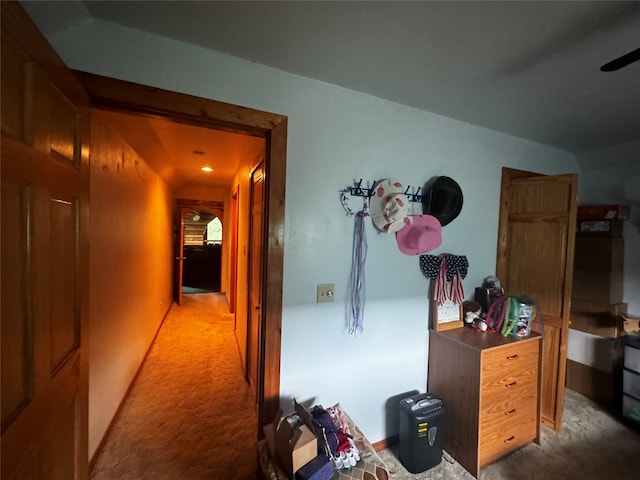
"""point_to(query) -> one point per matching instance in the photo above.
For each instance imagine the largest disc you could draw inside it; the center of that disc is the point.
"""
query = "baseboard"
(103, 441)
(385, 443)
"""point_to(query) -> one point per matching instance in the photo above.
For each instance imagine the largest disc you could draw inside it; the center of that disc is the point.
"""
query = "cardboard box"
(602, 387)
(599, 319)
(599, 254)
(600, 228)
(603, 212)
(291, 440)
(598, 287)
(587, 307)
(597, 371)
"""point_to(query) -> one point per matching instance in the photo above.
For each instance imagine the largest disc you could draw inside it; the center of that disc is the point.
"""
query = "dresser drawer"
(503, 366)
(506, 383)
(501, 439)
(508, 407)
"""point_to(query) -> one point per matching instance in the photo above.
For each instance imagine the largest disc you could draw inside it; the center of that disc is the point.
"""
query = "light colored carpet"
(592, 445)
(190, 415)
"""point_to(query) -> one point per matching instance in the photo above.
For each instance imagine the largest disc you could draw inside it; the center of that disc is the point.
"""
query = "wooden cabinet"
(491, 388)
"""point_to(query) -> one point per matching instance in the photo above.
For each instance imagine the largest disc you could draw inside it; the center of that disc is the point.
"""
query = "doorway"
(198, 247)
(126, 97)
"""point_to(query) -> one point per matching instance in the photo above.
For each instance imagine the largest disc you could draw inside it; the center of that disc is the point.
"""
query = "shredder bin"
(422, 428)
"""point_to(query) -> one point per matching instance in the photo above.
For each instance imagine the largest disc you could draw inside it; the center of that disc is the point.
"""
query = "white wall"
(335, 136)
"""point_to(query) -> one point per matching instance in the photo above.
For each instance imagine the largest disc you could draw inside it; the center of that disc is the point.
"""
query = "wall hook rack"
(357, 190)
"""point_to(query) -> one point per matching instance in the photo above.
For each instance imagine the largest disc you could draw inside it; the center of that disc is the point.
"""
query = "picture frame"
(447, 316)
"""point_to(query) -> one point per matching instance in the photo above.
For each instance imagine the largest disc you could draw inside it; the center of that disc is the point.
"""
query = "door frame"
(121, 96)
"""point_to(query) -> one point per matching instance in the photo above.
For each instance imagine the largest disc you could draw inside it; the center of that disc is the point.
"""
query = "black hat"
(442, 198)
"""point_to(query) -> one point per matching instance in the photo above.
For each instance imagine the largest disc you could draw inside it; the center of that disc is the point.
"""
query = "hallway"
(190, 414)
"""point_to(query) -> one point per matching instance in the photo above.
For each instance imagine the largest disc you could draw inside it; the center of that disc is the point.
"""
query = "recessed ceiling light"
(207, 169)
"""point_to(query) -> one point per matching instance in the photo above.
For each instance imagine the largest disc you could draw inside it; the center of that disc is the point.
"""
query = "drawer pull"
(510, 412)
(510, 439)
(510, 384)
(512, 357)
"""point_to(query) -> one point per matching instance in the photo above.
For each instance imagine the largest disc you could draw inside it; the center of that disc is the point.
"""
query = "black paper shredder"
(422, 427)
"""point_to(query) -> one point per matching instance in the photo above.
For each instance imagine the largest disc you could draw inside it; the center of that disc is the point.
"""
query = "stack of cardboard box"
(596, 303)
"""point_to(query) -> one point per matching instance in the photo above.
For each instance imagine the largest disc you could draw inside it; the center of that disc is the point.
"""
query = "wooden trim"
(273, 262)
(386, 443)
(120, 95)
(572, 179)
(127, 97)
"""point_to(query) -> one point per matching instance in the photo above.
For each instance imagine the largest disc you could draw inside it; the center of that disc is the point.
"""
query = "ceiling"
(177, 152)
(528, 69)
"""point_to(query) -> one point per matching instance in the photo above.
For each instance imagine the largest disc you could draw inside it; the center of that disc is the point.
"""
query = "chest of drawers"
(491, 387)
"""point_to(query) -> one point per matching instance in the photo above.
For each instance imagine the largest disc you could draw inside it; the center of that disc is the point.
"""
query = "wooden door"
(45, 186)
(255, 278)
(233, 253)
(179, 256)
(535, 257)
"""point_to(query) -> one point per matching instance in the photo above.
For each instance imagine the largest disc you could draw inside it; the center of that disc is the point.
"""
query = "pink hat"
(422, 235)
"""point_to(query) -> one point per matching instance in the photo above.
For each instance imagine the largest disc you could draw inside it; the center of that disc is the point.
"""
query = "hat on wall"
(422, 235)
(443, 199)
(388, 206)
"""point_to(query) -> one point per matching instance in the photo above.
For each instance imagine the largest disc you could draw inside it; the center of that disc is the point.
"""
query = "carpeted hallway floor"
(190, 415)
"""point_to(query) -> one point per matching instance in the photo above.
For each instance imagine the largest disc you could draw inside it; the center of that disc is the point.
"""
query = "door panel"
(547, 278)
(535, 258)
(45, 184)
(17, 364)
(64, 322)
(551, 368)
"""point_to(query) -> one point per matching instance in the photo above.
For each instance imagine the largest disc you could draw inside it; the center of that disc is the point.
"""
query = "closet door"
(45, 181)
(535, 257)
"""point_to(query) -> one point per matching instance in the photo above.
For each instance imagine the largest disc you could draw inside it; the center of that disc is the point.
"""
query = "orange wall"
(130, 270)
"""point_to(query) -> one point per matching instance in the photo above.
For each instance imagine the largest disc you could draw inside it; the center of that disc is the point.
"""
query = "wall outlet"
(325, 292)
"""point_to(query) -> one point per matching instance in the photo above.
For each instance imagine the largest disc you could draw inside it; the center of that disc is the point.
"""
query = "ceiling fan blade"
(622, 61)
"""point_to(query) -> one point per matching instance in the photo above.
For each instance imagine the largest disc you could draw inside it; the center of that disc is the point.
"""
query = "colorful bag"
(513, 315)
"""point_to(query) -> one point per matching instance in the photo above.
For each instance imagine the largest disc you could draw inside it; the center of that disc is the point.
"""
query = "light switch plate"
(325, 292)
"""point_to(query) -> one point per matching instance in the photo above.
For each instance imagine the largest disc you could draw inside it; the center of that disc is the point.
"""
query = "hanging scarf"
(447, 271)
(357, 280)
(356, 286)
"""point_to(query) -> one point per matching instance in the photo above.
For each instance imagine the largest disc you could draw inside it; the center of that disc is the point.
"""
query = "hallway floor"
(190, 414)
